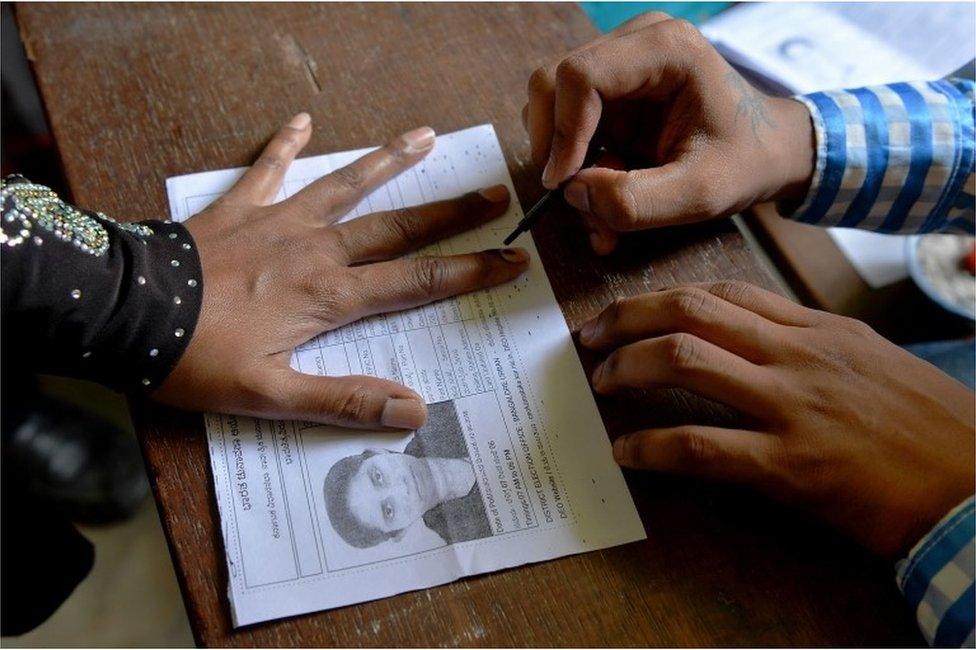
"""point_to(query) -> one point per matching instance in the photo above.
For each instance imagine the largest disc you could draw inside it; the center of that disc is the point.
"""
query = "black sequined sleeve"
(86, 296)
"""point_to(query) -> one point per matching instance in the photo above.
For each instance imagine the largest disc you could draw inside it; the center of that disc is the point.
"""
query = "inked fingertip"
(514, 255)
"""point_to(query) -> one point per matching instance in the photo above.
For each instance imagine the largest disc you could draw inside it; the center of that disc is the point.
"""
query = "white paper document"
(514, 446)
(806, 47)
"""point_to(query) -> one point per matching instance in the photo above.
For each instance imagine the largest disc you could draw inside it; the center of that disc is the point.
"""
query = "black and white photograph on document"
(404, 495)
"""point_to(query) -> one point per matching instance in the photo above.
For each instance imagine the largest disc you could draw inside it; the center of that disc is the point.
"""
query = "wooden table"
(137, 93)
(822, 277)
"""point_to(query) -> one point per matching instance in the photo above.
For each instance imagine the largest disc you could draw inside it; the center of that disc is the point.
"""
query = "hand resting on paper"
(278, 275)
(841, 421)
(837, 419)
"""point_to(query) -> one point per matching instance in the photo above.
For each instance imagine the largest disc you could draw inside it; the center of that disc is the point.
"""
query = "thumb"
(351, 401)
(603, 238)
(643, 198)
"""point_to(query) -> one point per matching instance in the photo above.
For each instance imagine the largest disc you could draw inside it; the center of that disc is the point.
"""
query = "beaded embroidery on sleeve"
(38, 204)
(87, 296)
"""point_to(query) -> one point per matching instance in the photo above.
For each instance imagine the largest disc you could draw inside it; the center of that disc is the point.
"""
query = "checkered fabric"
(937, 579)
(899, 158)
(896, 158)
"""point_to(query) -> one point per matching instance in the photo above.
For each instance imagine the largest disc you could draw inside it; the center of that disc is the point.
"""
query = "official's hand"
(278, 275)
(693, 138)
(842, 422)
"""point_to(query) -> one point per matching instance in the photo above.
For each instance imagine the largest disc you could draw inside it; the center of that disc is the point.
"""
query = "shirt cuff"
(937, 578)
(892, 158)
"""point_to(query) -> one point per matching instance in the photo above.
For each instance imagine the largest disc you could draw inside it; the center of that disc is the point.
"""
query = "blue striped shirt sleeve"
(897, 158)
(937, 579)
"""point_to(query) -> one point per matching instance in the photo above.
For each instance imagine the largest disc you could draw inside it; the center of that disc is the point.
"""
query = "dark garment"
(87, 297)
(457, 520)
(43, 559)
(82, 296)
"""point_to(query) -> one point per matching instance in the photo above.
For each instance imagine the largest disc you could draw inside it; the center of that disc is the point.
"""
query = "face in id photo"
(395, 498)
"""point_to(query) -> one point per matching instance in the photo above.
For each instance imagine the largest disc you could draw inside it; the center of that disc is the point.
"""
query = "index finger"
(684, 309)
(537, 115)
(335, 194)
(652, 61)
(683, 360)
(765, 303)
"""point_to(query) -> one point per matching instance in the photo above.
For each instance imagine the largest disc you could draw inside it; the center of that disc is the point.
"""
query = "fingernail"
(577, 196)
(618, 449)
(403, 413)
(514, 255)
(589, 330)
(596, 242)
(495, 193)
(300, 121)
(420, 139)
(547, 180)
(597, 377)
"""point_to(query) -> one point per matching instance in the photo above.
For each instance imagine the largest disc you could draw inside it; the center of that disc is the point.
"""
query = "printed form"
(513, 465)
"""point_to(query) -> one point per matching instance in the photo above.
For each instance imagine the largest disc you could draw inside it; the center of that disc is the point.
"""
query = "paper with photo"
(513, 465)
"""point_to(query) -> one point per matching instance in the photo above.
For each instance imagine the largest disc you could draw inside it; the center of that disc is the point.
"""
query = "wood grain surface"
(139, 92)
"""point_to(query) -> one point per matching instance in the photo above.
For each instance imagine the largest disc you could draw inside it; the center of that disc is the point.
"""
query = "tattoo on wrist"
(752, 104)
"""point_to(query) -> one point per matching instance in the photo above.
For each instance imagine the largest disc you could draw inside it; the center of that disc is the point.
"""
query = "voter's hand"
(275, 276)
(688, 138)
(840, 421)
